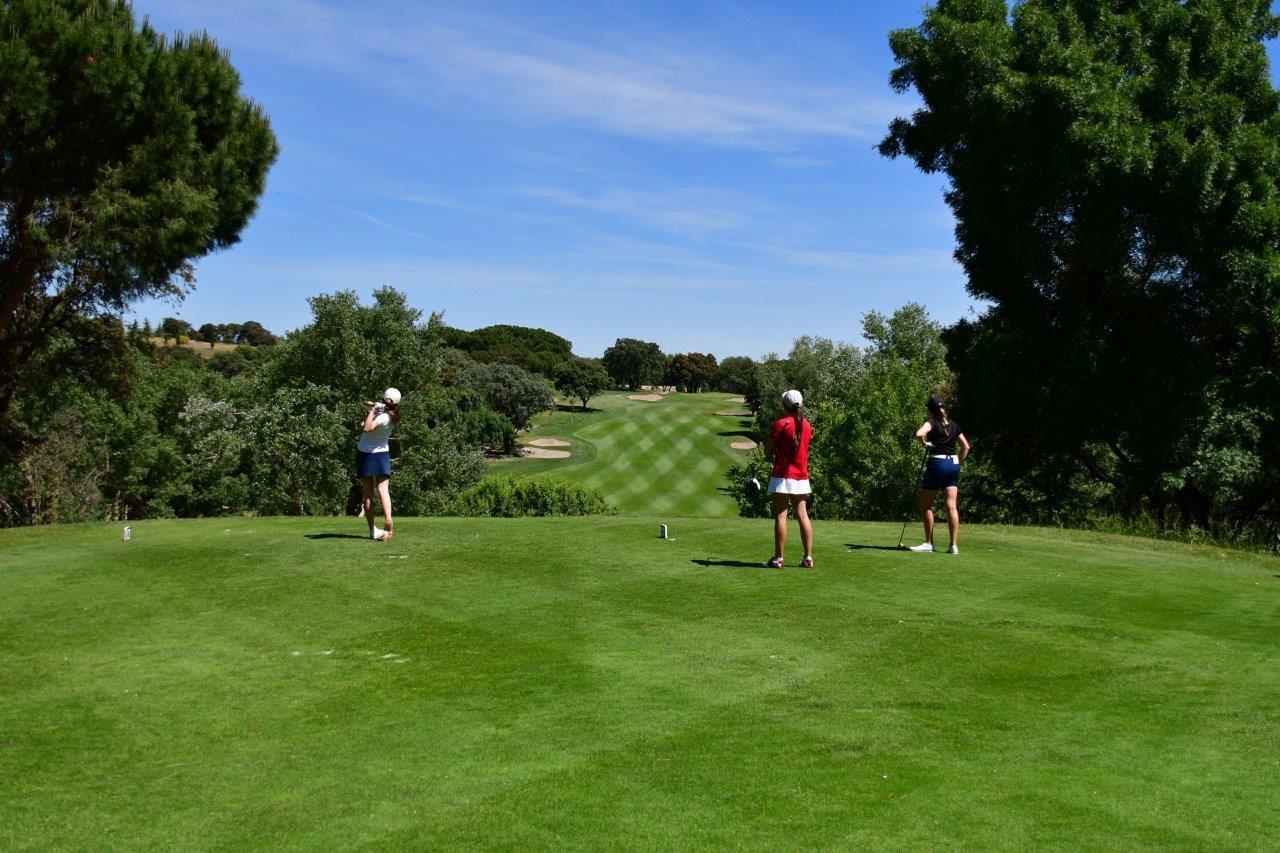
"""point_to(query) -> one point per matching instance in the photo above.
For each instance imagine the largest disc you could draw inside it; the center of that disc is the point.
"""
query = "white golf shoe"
(923, 548)
(377, 534)
(953, 550)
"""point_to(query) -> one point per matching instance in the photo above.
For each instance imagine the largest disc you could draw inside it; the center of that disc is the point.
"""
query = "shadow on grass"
(561, 407)
(735, 564)
(738, 432)
(854, 546)
(335, 536)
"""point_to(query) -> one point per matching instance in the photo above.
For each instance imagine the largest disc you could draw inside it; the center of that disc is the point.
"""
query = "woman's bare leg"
(926, 509)
(779, 524)
(953, 514)
(384, 494)
(801, 503)
(366, 487)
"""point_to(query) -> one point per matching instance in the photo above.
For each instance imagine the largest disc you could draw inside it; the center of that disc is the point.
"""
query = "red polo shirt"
(788, 460)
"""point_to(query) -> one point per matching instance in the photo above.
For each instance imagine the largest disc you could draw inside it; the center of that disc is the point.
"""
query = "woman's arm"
(371, 419)
(771, 443)
(923, 433)
(964, 447)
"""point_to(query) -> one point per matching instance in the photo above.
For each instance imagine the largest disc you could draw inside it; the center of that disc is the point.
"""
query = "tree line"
(270, 429)
(249, 333)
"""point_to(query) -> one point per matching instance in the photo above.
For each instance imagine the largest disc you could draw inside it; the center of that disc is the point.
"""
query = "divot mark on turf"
(390, 657)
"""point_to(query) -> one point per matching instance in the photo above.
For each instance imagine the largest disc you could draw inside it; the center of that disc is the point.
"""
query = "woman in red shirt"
(789, 486)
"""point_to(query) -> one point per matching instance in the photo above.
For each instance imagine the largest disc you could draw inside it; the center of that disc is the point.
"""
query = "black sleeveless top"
(943, 437)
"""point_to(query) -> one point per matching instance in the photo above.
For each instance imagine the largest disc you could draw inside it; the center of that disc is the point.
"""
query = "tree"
(1114, 171)
(358, 350)
(239, 361)
(734, 374)
(209, 334)
(351, 352)
(171, 327)
(582, 378)
(536, 350)
(511, 391)
(865, 404)
(123, 156)
(254, 334)
(632, 363)
(691, 372)
(227, 332)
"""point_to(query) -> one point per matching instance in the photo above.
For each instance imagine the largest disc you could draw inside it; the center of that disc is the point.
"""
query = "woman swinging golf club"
(789, 485)
(373, 459)
(940, 435)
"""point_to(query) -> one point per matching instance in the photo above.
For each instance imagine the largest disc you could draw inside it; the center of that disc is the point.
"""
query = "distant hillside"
(533, 349)
(201, 348)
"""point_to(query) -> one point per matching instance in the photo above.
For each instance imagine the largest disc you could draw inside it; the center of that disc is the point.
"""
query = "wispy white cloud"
(917, 261)
(620, 83)
(381, 223)
(800, 161)
(617, 249)
(499, 209)
(683, 210)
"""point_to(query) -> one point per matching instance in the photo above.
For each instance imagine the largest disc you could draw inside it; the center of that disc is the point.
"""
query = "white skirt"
(788, 486)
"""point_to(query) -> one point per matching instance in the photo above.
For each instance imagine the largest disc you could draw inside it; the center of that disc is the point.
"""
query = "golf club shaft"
(924, 463)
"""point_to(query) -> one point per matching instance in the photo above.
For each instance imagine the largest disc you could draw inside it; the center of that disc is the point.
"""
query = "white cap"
(792, 398)
(393, 395)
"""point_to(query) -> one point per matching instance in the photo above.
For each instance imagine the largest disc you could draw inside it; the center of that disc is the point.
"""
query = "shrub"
(501, 497)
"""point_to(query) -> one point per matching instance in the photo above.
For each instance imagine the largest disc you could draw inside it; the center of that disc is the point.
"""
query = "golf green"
(579, 683)
(647, 457)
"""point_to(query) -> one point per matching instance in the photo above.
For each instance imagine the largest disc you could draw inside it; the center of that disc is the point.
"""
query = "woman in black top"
(940, 435)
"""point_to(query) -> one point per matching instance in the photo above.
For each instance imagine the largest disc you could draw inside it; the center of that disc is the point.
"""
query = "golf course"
(666, 455)
(248, 683)
(744, 425)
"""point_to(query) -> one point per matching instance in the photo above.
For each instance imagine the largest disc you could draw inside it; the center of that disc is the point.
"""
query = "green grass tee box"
(580, 683)
(666, 457)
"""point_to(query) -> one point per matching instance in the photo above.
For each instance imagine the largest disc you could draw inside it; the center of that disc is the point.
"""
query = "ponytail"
(797, 417)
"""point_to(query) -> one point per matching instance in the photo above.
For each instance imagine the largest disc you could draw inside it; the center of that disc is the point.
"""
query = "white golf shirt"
(377, 440)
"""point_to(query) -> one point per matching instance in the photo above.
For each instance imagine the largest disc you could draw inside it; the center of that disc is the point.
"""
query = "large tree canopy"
(582, 378)
(124, 155)
(633, 362)
(1113, 171)
(536, 350)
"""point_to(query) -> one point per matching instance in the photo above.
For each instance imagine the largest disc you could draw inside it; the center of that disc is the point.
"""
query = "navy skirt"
(941, 473)
(373, 464)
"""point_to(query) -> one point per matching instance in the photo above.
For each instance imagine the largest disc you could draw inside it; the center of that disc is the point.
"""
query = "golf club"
(924, 463)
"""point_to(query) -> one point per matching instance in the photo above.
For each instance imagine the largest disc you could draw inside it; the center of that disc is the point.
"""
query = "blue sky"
(702, 175)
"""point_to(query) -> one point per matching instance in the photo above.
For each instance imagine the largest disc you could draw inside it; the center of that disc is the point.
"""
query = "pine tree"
(110, 135)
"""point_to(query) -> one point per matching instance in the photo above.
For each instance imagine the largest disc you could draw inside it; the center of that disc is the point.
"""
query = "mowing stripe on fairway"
(669, 457)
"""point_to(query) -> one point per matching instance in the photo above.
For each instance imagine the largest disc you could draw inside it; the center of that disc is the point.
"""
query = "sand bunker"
(549, 442)
(646, 398)
(543, 453)
(743, 444)
(742, 400)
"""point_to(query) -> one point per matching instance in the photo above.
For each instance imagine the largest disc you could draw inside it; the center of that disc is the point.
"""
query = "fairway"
(577, 683)
(664, 458)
